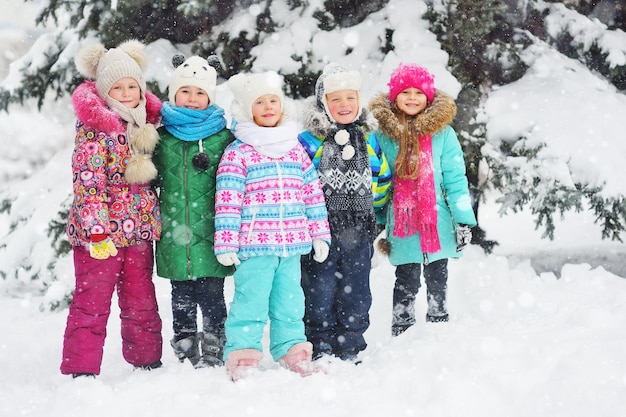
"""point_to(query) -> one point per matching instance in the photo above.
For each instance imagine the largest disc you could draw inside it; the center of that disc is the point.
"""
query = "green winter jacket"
(187, 199)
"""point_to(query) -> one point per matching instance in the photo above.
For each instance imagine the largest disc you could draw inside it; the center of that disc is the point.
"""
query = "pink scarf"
(415, 201)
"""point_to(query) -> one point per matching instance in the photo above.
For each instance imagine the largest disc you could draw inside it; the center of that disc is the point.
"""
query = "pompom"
(177, 60)
(342, 137)
(88, 59)
(384, 246)
(201, 161)
(214, 61)
(135, 50)
(347, 152)
(140, 169)
(145, 138)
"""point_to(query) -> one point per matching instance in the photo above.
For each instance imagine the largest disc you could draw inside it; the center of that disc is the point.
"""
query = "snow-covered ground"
(538, 328)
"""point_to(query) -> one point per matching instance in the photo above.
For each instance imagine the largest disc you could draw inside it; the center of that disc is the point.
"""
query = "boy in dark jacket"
(355, 177)
(193, 138)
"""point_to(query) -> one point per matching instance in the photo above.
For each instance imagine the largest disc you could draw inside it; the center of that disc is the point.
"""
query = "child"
(115, 213)
(429, 216)
(269, 211)
(355, 177)
(192, 141)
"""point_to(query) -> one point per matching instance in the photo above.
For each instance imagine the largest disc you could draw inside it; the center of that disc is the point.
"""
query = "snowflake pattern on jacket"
(104, 203)
(268, 206)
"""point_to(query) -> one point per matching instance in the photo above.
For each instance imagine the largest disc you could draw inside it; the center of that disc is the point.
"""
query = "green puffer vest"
(187, 198)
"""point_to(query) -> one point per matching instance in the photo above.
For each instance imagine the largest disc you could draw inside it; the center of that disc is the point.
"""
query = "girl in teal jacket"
(429, 215)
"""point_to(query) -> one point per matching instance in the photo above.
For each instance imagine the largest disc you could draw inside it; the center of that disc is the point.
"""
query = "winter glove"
(228, 259)
(463, 236)
(321, 249)
(101, 247)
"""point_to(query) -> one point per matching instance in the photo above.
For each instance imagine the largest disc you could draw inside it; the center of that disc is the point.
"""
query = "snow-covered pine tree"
(485, 39)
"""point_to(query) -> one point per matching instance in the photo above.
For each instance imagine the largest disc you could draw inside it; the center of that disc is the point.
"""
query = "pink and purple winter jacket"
(268, 206)
(104, 203)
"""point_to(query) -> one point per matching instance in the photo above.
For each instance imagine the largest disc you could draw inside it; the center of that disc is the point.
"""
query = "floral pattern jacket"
(104, 203)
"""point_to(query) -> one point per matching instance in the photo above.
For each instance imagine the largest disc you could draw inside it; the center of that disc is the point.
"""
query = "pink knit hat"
(411, 75)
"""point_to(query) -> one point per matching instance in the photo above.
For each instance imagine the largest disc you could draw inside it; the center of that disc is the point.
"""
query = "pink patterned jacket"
(268, 206)
(104, 203)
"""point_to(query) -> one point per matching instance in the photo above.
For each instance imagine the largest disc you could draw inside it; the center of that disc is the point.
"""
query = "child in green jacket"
(193, 138)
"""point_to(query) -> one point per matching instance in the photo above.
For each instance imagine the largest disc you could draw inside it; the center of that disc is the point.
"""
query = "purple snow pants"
(131, 272)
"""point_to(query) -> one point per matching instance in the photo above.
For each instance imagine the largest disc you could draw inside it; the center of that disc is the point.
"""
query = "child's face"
(126, 91)
(191, 97)
(266, 110)
(343, 105)
(411, 101)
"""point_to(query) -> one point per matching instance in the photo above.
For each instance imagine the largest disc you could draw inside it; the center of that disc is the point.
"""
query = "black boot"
(212, 350)
(150, 367)
(187, 348)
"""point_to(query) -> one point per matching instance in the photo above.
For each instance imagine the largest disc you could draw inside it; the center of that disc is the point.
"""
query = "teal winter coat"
(187, 198)
(453, 198)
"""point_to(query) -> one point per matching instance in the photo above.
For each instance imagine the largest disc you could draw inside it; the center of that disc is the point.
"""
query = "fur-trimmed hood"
(318, 123)
(92, 111)
(435, 117)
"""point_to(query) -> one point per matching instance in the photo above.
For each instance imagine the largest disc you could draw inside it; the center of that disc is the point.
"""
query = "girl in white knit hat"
(114, 217)
(269, 210)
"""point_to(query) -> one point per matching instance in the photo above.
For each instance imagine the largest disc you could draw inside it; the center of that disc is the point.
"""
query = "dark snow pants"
(208, 295)
(131, 272)
(407, 286)
(338, 298)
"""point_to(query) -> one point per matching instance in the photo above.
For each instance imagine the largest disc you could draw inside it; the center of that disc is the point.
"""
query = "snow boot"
(298, 360)
(150, 366)
(187, 348)
(240, 363)
(212, 350)
(403, 316)
(437, 318)
(437, 312)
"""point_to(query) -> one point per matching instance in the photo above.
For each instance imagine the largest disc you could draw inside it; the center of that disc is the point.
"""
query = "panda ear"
(177, 60)
(214, 61)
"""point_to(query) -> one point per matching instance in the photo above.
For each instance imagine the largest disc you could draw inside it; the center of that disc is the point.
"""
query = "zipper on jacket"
(426, 259)
(282, 205)
(254, 211)
(187, 229)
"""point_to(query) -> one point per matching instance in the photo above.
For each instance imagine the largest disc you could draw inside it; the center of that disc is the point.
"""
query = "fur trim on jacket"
(435, 117)
(92, 111)
(318, 123)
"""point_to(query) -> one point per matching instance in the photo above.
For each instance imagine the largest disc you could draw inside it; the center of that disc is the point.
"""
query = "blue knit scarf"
(190, 125)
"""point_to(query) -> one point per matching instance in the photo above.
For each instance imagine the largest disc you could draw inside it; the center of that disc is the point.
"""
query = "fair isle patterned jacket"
(104, 203)
(268, 206)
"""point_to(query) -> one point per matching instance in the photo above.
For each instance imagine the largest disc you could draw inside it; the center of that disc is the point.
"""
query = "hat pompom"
(177, 60)
(135, 49)
(88, 59)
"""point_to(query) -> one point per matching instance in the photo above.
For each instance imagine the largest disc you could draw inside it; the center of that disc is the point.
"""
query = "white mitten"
(228, 259)
(320, 247)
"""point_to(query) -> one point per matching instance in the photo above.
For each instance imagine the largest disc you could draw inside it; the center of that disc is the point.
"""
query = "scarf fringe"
(429, 238)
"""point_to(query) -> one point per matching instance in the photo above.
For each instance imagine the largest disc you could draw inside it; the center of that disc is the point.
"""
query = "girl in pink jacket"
(269, 210)
(114, 217)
